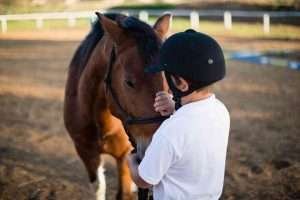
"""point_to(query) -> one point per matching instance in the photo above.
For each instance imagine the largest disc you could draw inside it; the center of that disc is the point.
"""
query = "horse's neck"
(91, 91)
(90, 86)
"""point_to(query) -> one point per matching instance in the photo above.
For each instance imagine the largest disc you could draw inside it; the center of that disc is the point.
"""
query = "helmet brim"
(154, 68)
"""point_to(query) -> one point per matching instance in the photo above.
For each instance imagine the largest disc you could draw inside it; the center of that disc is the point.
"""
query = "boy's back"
(186, 158)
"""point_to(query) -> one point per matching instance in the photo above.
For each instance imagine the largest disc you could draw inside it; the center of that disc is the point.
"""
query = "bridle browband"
(129, 119)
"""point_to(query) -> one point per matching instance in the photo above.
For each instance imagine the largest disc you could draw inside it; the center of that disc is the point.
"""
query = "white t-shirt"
(186, 157)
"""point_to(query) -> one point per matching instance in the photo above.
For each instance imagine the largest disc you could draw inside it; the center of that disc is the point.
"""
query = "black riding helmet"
(194, 56)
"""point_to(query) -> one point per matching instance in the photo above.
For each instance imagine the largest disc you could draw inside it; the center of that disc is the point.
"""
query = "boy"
(186, 157)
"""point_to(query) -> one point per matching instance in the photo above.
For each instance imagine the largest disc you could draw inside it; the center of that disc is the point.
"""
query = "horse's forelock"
(147, 41)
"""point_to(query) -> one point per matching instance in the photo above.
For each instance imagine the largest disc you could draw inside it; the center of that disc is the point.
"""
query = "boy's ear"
(162, 25)
(180, 83)
(112, 28)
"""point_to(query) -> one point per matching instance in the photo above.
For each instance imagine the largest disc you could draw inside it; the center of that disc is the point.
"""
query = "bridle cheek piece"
(128, 119)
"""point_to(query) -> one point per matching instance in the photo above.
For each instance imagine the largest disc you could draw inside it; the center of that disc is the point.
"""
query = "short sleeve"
(159, 156)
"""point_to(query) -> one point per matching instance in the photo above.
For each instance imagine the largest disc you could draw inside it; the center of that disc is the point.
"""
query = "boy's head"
(193, 57)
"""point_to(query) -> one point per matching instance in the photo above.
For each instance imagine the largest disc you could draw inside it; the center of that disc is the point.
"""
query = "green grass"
(145, 6)
(47, 25)
(239, 29)
(58, 6)
(26, 6)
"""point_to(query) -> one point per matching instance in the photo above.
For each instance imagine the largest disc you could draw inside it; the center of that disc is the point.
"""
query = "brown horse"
(108, 92)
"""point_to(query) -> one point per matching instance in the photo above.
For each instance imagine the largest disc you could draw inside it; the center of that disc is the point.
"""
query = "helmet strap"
(177, 94)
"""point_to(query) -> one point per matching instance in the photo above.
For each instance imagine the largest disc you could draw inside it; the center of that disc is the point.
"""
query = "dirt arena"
(38, 161)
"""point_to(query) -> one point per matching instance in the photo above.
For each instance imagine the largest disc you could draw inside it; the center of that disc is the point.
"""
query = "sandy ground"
(228, 42)
(38, 161)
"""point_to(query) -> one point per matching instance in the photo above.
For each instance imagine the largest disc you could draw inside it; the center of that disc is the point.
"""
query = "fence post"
(125, 13)
(266, 21)
(194, 19)
(227, 20)
(39, 23)
(3, 24)
(144, 16)
(71, 21)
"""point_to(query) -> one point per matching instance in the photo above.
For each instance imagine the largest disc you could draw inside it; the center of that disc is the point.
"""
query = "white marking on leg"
(134, 188)
(100, 194)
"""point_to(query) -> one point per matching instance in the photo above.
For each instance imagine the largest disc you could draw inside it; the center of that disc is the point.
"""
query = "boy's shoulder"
(222, 107)
(192, 116)
(169, 124)
(172, 126)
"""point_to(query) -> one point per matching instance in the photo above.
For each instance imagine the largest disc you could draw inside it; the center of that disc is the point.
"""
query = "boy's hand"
(164, 103)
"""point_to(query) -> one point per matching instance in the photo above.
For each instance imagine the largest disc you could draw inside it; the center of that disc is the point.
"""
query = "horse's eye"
(129, 83)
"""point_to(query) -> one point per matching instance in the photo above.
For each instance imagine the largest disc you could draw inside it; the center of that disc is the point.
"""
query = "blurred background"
(261, 41)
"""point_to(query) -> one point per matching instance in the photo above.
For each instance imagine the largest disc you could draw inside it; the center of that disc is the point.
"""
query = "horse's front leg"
(100, 184)
(126, 185)
(143, 194)
(118, 146)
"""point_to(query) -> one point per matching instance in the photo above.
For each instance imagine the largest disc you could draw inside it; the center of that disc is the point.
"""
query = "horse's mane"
(147, 42)
(87, 46)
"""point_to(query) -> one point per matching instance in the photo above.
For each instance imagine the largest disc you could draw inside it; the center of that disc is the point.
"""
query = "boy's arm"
(133, 167)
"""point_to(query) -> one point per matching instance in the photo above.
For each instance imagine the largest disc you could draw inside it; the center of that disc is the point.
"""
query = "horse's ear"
(162, 25)
(112, 28)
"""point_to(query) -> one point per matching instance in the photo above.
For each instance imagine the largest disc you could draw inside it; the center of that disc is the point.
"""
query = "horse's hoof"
(126, 196)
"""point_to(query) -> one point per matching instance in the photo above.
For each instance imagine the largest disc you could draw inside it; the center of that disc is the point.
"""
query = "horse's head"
(135, 46)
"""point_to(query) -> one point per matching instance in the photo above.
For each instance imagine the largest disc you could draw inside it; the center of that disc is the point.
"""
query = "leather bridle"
(129, 119)
(143, 194)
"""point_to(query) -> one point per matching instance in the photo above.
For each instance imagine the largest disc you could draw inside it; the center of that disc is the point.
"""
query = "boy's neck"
(195, 96)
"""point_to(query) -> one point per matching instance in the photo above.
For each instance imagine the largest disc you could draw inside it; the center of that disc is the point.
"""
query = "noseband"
(129, 119)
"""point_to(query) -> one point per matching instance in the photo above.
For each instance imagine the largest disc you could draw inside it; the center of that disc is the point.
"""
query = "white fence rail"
(194, 16)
